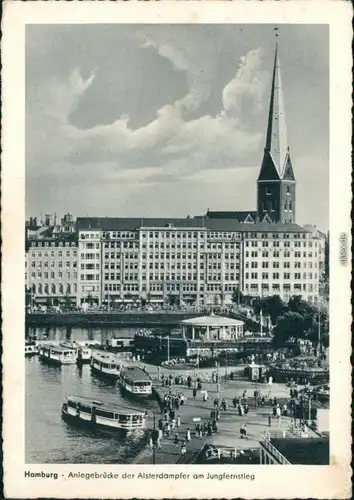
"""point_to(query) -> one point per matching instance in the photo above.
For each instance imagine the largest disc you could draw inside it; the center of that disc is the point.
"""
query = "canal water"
(48, 438)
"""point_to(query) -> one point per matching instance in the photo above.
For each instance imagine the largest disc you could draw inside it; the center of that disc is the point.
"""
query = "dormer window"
(287, 190)
(268, 190)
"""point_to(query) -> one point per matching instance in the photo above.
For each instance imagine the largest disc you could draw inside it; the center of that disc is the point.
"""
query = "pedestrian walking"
(194, 393)
(188, 435)
(269, 420)
(215, 426)
(210, 429)
(246, 410)
(234, 402)
(173, 424)
(178, 421)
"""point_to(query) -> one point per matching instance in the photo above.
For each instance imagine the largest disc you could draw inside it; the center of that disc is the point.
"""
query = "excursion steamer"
(93, 414)
(135, 381)
(105, 365)
(57, 355)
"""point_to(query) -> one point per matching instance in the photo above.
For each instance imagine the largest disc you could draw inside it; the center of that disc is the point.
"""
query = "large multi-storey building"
(201, 260)
(51, 270)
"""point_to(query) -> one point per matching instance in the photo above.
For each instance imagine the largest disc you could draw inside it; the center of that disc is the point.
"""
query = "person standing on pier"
(188, 435)
(194, 393)
(183, 448)
(176, 440)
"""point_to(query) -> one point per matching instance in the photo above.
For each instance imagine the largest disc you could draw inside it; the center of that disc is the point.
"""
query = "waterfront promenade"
(229, 424)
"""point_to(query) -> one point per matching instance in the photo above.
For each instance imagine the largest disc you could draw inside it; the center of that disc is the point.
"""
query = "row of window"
(278, 244)
(53, 275)
(276, 253)
(277, 265)
(53, 263)
(275, 287)
(52, 253)
(54, 289)
(53, 244)
(276, 276)
(280, 235)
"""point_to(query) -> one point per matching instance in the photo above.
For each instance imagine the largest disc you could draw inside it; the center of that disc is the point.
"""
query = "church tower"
(276, 185)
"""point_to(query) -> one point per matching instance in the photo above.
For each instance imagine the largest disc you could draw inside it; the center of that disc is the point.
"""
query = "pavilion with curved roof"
(212, 328)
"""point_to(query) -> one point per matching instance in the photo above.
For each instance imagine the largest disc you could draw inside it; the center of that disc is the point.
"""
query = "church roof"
(276, 161)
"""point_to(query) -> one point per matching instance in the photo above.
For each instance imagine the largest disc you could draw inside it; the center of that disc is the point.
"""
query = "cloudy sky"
(169, 120)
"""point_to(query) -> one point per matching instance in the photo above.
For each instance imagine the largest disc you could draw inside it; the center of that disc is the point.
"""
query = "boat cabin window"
(142, 384)
(72, 404)
(84, 408)
(123, 419)
(104, 413)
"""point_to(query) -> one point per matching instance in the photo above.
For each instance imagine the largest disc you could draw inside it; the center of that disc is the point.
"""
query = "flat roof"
(212, 321)
(135, 373)
(197, 222)
(108, 358)
(106, 406)
(305, 451)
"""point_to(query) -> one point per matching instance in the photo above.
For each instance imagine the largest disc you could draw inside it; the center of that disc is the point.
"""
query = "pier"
(227, 439)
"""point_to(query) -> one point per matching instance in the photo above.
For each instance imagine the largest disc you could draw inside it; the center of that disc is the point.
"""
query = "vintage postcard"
(176, 249)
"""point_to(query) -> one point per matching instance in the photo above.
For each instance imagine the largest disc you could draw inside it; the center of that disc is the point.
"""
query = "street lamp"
(154, 437)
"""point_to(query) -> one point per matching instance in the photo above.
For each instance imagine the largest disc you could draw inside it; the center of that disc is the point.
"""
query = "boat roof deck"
(107, 357)
(106, 406)
(58, 348)
(136, 374)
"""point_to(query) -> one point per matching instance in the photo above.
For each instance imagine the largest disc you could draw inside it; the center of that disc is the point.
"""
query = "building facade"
(51, 271)
(201, 260)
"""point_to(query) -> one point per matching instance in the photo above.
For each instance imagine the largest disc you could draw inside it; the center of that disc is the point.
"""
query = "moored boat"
(31, 348)
(83, 352)
(85, 411)
(105, 365)
(135, 381)
(57, 355)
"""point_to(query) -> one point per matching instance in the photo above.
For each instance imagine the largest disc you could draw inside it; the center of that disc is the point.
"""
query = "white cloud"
(166, 147)
(245, 93)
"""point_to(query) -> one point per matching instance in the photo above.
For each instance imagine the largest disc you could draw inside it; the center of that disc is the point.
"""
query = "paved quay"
(229, 424)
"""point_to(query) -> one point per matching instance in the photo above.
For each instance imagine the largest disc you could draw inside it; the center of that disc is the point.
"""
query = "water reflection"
(48, 438)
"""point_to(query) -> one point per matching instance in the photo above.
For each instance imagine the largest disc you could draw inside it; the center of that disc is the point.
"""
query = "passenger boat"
(85, 411)
(135, 381)
(31, 348)
(57, 355)
(105, 365)
(83, 352)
